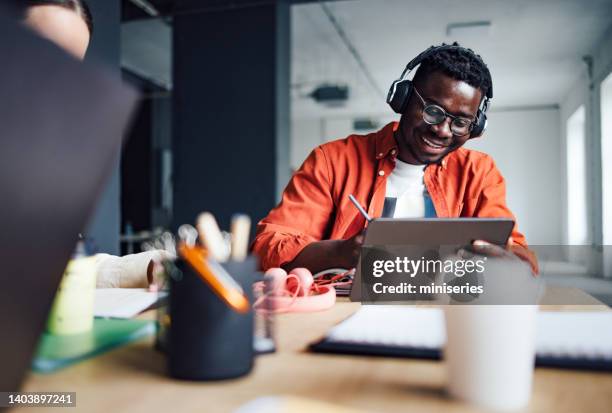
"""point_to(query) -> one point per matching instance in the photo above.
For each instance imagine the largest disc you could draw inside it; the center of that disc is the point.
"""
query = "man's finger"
(486, 248)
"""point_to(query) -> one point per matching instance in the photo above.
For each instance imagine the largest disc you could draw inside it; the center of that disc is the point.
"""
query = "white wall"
(308, 133)
(526, 148)
(524, 144)
(305, 136)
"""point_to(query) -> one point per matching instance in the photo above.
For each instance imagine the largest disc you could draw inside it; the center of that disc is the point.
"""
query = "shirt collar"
(386, 144)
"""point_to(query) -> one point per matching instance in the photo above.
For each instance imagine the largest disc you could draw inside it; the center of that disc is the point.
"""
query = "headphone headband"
(401, 89)
(434, 49)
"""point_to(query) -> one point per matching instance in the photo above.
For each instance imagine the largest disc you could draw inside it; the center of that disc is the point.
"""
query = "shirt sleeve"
(303, 215)
(129, 271)
(492, 200)
(492, 203)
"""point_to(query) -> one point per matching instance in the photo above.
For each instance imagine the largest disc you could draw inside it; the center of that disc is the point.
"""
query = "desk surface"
(132, 378)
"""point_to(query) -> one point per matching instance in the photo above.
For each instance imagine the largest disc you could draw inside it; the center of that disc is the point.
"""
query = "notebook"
(564, 339)
(56, 352)
(125, 302)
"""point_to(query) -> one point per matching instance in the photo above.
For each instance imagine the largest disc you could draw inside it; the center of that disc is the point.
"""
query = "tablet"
(431, 231)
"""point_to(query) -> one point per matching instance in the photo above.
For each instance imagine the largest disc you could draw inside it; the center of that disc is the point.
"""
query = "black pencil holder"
(208, 340)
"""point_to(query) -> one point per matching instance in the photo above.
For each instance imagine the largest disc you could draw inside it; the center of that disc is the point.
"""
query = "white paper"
(124, 302)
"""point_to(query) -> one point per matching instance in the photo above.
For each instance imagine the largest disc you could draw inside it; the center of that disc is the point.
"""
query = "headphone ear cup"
(399, 95)
(302, 281)
(276, 279)
(480, 126)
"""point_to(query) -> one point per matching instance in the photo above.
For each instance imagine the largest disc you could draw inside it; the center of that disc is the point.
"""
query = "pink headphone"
(294, 292)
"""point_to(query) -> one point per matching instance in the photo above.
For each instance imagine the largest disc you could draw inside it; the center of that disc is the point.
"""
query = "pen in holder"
(208, 339)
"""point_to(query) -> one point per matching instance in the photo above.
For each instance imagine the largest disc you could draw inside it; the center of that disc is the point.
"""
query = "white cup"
(490, 354)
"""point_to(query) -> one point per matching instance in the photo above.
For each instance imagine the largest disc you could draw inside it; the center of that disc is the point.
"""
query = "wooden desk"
(131, 379)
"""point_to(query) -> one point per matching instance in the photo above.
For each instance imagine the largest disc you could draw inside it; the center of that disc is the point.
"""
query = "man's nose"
(443, 129)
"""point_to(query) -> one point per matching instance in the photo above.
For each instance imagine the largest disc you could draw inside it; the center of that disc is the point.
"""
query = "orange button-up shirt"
(316, 206)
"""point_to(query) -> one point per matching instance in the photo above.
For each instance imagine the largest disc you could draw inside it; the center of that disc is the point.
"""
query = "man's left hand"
(512, 250)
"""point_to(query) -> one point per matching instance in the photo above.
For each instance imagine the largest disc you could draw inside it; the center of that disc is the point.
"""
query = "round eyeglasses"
(434, 115)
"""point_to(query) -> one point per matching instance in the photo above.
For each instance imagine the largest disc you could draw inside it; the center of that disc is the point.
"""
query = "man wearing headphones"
(411, 169)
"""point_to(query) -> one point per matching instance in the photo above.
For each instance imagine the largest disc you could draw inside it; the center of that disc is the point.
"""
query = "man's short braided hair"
(459, 63)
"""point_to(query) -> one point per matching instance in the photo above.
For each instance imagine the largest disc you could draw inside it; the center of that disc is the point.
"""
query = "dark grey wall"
(231, 108)
(104, 226)
(161, 201)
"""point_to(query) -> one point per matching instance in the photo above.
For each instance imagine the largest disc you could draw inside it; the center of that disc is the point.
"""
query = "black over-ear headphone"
(401, 89)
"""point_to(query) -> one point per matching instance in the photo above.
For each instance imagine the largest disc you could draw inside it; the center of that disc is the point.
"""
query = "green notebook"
(56, 352)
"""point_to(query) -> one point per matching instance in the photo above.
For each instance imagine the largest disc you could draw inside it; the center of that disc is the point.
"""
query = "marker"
(360, 208)
(188, 234)
(211, 237)
(240, 229)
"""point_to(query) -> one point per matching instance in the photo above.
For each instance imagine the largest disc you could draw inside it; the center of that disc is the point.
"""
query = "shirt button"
(381, 173)
(380, 155)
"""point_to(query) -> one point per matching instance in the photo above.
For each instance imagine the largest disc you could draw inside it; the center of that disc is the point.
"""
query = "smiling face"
(420, 143)
(60, 25)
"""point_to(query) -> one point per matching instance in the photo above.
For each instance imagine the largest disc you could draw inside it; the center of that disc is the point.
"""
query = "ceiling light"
(331, 95)
(365, 124)
(471, 29)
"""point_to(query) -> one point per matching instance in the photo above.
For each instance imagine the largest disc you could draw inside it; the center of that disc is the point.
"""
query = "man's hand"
(322, 255)
(512, 250)
(349, 250)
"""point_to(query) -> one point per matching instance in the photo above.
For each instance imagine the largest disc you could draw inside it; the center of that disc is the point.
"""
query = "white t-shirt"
(405, 196)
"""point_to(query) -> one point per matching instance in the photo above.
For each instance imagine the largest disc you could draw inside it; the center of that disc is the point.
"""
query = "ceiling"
(137, 9)
(534, 49)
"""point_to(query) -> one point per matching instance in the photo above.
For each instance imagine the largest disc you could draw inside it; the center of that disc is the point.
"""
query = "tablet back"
(431, 231)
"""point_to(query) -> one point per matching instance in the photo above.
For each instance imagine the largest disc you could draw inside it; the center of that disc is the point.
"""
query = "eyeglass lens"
(434, 115)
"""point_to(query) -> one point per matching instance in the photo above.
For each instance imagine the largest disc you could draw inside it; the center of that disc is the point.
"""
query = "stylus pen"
(360, 208)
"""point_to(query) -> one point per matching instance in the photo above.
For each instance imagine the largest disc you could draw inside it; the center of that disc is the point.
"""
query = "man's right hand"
(322, 255)
(349, 249)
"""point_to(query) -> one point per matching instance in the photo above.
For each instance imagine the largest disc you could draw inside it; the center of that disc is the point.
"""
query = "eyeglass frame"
(446, 115)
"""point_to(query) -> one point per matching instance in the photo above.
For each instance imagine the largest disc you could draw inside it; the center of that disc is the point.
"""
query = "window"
(606, 157)
(606, 170)
(577, 229)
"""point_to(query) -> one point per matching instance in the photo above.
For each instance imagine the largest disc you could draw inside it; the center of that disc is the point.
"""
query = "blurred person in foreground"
(69, 24)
